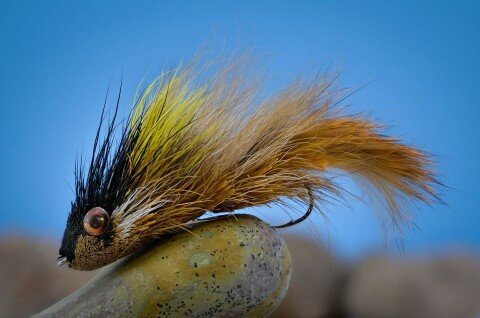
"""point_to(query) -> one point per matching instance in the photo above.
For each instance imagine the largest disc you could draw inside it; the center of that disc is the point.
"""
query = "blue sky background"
(57, 58)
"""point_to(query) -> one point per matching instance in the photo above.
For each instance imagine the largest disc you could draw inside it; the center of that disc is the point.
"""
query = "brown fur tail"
(286, 147)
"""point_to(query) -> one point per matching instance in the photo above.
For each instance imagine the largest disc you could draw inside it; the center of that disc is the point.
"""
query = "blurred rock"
(29, 277)
(315, 284)
(377, 287)
(447, 287)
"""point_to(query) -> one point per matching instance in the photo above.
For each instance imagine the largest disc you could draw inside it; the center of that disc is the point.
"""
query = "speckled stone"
(232, 267)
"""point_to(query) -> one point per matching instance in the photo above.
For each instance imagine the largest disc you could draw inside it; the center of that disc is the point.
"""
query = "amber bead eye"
(96, 221)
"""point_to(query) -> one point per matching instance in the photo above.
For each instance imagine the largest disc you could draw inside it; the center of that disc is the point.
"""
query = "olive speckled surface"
(231, 267)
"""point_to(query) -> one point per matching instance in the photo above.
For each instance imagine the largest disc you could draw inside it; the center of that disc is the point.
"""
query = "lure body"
(192, 146)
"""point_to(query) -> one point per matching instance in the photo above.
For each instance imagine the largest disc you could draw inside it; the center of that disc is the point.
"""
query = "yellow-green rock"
(231, 267)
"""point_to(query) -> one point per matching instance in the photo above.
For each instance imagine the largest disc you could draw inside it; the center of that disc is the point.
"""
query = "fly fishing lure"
(194, 144)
